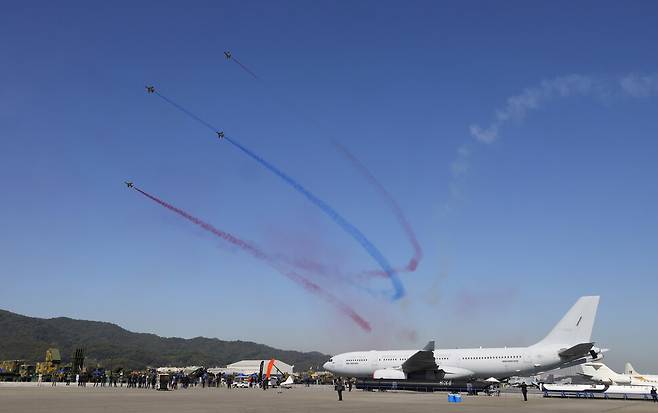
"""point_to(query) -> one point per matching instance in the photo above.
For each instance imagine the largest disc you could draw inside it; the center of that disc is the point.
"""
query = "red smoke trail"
(392, 204)
(317, 268)
(257, 253)
(341, 221)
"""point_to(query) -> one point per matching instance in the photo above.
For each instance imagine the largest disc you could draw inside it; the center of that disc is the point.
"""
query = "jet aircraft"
(601, 373)
(129, 184)
(568, 344)
(227, 54)
(288, 383)
(150, 89)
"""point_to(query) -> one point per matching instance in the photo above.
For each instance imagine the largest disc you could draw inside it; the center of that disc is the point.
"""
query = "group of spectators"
(151, 379)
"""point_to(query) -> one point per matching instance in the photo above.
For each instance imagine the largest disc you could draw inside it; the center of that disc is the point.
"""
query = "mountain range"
(113, 347)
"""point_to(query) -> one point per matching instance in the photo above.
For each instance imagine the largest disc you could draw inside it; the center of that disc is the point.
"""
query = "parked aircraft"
(288, 383)
(568, 344)
(601, 373)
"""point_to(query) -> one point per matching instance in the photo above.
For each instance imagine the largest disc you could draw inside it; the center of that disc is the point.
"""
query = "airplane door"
(373, 361)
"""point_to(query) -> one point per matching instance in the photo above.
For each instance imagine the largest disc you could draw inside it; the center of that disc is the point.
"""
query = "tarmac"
(73, 399)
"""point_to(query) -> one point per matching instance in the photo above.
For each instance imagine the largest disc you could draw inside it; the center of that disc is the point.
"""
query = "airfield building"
(248, 367)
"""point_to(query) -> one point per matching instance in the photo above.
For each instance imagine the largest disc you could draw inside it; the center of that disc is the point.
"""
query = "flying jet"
(150, 89)
(227, 54)
(220, 135)
(568, 344)
(129, 184)
(601, 373)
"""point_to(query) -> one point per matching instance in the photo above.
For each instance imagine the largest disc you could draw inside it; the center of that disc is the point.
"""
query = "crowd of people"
(152, 379)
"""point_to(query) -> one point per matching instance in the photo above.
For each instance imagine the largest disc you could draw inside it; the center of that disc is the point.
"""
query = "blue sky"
(553, 197)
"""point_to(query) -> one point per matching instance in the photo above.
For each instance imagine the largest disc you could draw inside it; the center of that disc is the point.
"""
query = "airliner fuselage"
(456, 363)
(567, 344)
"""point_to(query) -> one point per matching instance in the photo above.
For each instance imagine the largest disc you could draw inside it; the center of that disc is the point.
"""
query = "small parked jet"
(288, 383)
(601, 373)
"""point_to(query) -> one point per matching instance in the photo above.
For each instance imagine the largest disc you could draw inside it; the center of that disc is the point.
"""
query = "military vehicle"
(52, 363)
(10, 370)
(27, 371)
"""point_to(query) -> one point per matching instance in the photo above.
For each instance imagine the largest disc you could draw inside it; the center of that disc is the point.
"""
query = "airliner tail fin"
(576, 325)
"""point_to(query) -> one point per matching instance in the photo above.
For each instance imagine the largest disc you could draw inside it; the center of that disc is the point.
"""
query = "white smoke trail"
(517, 107)
(639, 86)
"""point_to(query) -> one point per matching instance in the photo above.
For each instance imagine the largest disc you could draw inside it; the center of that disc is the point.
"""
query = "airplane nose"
(326, 366)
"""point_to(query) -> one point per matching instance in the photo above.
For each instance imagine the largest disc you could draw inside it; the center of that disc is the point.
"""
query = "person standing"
(339, 389)
(654, 394)
(524, 390)
(349, 385)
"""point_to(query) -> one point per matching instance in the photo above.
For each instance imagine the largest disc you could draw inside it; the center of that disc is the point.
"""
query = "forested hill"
(111, 346)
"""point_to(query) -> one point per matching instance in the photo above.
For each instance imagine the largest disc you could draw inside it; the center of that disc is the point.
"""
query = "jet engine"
(391, 374)
(624, 380)
(456, 373)
(596, 354)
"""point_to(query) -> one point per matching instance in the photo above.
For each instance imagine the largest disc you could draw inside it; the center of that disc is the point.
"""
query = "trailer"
(422, 385)
(596, 391)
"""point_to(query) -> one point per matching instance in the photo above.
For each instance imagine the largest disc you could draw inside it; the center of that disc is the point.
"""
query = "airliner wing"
(422, 360)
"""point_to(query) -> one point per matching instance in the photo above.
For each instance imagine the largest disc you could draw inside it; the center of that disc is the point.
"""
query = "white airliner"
(601, 373)
(568, 344)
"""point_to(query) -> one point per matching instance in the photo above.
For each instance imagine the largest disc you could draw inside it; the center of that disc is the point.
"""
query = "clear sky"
(519, 138)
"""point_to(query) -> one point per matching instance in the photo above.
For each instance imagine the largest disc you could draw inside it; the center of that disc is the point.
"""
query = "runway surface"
(300, 399)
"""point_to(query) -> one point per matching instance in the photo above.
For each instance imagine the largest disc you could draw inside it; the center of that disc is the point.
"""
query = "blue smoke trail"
(368, 246)
(188, 113)
(335, 216)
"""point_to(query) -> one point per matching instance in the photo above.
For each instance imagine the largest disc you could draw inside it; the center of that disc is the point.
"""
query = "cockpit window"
(331, 360)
